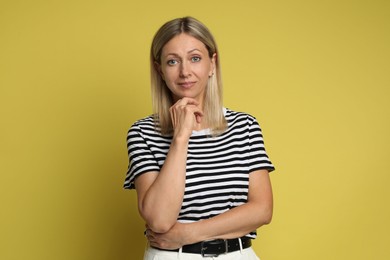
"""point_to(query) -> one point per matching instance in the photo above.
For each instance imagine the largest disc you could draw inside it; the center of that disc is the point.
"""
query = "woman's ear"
(157, 66)
(213, 64)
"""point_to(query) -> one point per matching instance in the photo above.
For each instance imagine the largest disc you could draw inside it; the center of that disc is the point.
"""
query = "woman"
(200, 170)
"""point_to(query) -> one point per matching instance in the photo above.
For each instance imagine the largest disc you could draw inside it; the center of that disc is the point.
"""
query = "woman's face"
(186, 67)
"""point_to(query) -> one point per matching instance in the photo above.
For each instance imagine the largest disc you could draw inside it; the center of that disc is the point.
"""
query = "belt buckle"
(213, 242)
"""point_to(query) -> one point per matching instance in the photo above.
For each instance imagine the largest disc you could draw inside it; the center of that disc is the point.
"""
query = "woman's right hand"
(186, 115)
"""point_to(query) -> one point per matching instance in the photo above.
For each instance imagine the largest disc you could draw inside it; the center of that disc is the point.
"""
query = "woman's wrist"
(180, 141)
(192, 234)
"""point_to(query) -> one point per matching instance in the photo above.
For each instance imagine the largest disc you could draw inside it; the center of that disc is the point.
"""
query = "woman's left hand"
(175, 238)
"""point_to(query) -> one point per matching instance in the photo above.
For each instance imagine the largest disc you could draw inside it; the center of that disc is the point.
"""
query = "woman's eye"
(172, 62)
(196, 59)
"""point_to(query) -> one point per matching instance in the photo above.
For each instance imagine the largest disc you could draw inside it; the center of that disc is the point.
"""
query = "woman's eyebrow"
(177, 55)
(172, 54)
(193, 50)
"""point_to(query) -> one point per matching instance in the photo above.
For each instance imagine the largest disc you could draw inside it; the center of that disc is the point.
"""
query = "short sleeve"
(258, 158)
(141, 158)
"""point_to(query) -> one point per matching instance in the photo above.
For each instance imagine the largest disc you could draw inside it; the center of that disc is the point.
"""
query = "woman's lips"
(187, 84)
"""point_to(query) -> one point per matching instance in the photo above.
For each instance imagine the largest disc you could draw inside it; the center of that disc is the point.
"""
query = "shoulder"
(144, 122)
(143, 125)
(236, 117)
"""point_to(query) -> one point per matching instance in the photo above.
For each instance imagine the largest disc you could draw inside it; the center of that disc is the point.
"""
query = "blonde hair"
(161, 96)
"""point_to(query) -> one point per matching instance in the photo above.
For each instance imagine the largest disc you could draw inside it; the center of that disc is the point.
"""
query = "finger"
(187, 101)
(198, 117)
(191, 101)
(196, 112)
(177, 110)
(150, 238)
(173, 115)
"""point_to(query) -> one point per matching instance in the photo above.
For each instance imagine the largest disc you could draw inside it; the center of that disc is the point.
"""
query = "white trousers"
(155, 254)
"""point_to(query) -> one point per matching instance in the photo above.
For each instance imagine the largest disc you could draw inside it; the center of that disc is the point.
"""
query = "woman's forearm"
(161, 194)
(234, 223)
(241, 220)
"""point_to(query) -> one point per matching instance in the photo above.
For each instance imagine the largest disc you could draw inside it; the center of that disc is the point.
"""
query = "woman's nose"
(185, 70)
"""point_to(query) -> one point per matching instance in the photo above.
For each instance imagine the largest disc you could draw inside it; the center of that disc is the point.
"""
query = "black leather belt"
(214, 248)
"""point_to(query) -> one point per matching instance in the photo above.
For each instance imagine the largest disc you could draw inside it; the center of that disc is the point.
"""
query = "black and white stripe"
(218, 168)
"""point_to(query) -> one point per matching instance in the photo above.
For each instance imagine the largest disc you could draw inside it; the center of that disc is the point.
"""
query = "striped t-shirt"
(218, 167)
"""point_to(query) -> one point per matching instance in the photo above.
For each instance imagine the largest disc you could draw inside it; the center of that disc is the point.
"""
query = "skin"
(185, 67)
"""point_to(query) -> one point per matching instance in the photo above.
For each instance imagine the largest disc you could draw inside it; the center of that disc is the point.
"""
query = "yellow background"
(74, 76)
